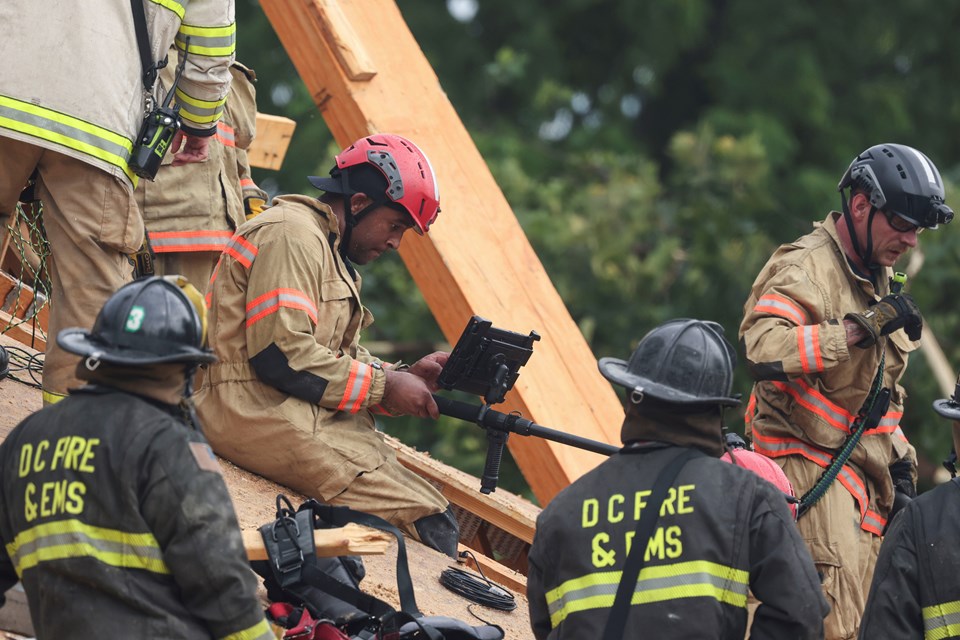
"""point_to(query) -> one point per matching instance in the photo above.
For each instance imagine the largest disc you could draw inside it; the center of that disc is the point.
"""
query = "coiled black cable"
(22, 361)
(479, 590)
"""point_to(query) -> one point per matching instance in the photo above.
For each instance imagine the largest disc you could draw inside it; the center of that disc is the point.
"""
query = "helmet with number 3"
(148, 321)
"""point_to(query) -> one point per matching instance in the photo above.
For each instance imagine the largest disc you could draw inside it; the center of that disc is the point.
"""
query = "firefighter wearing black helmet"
(722, 530)
(827, 331)
(113, 512)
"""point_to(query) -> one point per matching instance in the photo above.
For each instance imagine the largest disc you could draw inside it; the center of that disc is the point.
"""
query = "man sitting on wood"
(293, 394)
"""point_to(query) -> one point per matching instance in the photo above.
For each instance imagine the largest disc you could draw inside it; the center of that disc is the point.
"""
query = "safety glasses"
(900, 224)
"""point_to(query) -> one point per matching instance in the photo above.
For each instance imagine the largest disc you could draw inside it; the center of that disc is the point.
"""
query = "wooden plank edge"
(471, 499)
(351, 539)
(494, 571)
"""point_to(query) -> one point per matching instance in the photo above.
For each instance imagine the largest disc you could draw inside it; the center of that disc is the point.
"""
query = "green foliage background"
(656, 153)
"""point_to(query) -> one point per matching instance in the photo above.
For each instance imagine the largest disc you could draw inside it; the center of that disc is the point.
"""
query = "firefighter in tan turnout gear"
(293, 394)
(719, 531)
(191, 211)
(71, 105)
(113, 512)
(827, 333)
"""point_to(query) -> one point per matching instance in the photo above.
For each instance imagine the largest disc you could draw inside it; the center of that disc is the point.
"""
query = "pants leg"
(394, 493)
(843, 553)
(195, 266)
(92, 224)
(17, 162)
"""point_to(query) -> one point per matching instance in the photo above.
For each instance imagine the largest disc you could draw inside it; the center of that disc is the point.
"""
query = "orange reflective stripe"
(817, 403)
(751, 410)
(184, 241)
(786, 446)
(358, 384)
(808, 344)
(241, 250)
(782, 307)
(247, 183)
(873, 522)
(225, 134)
(273, 301)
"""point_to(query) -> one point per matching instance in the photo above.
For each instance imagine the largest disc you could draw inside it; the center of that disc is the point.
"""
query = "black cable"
(479, 590)
(21, 360)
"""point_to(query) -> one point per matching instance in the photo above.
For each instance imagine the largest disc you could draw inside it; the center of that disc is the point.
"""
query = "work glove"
(903, 489)
(901, 472)
(891, 312)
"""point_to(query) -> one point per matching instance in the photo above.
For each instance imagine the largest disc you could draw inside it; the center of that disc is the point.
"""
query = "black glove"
(891, 312)
(901, 472)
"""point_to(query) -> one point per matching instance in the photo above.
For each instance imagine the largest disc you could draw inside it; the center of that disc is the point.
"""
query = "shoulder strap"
(648, 520)
(143, 44)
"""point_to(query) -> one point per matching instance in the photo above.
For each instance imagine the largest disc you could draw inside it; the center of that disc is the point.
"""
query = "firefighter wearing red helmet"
(294, 392)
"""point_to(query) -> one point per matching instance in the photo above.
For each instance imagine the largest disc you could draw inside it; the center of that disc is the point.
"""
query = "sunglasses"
(900, 224)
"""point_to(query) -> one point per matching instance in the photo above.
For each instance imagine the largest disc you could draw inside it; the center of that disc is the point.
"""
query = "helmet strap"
(865, 254)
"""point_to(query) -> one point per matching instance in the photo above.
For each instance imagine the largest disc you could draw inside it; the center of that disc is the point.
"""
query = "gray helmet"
(901, 180)
(681, 362)
(148, 321)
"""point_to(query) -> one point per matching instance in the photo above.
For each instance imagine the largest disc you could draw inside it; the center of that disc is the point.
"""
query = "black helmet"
(681, 362)
(148, 321)
(901, 180)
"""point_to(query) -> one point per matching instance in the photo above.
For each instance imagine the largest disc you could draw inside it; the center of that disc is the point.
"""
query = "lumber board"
(500, 509)
(350, 539)
(23, 332)
(494, 571)
(269, 146)
(476, 259)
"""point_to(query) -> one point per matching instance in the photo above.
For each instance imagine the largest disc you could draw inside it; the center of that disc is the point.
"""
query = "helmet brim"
(330, 185)
(80, 342)
(615, 370)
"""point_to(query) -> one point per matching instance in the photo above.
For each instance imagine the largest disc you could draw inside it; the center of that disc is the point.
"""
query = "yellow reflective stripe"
(259, 631)
(67, 131)
(693, 579)
(176, 7)
(214, 42)
(75, 539)
(50, 397)
(208, 32)
(941, 620)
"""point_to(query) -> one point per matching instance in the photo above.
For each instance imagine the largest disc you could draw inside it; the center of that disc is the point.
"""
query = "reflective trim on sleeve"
(74, 539)
(808, 344)
(780, 306)
(67, 131)
(941, 621)
(212, 42)
(695, 579)
(241, 250)
(199, 111)
(185, 241)
(259, 631)
(272, 301)
(358, 385)
(175, 7)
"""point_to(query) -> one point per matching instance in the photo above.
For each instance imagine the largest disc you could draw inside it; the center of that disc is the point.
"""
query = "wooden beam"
(476, 259)
(351, 539)
(269, 146)
(500, 508)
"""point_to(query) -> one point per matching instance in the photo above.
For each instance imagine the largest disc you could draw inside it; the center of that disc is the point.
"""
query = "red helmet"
(410, 179)
(763, 467)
